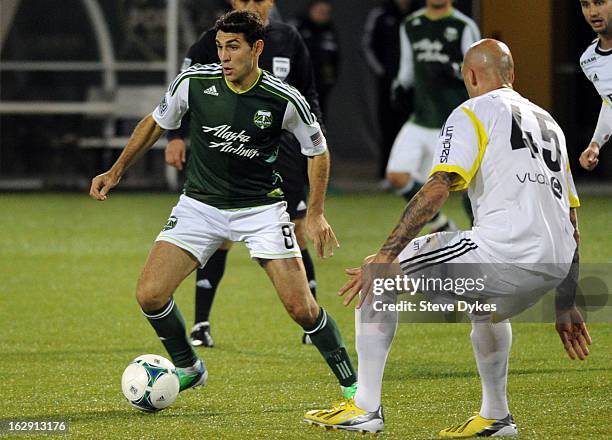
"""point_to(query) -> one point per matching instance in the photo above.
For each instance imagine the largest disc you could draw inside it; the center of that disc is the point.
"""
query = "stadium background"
(68, 320)
(46, 146)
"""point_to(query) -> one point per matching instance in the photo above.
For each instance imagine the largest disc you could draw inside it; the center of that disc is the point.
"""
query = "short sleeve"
(306, 129)
(460, 147)
(173, 105)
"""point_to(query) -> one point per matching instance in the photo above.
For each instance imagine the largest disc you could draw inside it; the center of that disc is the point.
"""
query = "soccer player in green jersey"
(232, 191)
(433, 41)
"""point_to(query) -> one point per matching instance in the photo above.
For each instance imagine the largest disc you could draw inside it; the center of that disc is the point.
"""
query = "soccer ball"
(150, 383)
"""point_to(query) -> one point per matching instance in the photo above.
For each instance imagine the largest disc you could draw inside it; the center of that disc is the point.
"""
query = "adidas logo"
(212, 90)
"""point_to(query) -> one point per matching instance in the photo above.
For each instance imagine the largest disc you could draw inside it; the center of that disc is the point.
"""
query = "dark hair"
(242, 22)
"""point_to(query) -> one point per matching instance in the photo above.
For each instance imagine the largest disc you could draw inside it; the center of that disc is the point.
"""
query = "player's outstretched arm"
(144, 136)
(569, 322)
(418, 212)
(317, 228)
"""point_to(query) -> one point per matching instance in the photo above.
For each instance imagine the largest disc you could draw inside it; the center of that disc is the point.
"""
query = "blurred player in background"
(433, 42)
(596, 63)
(381, 48)
(238, 112)
(525, 248)
(317, 29)
(286, 57)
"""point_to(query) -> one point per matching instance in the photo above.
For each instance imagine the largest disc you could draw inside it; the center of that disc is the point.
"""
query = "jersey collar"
(242, 92)
(448, 14)
(600, 51)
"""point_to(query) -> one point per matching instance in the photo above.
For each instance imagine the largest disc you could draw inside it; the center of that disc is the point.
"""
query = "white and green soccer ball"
(150, 383)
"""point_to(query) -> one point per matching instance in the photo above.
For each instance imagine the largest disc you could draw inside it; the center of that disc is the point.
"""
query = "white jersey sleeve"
(460, 147)
(603, 130)
(172, 107)
(308, 132)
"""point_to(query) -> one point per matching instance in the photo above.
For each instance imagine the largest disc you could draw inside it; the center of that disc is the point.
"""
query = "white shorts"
(413, 150)
(454, 255)
(200, 229)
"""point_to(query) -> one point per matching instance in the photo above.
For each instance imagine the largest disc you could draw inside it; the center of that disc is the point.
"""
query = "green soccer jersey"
(235, 135)
(431, 55)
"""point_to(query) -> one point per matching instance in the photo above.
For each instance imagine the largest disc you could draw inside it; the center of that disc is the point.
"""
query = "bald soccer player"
(490, 145)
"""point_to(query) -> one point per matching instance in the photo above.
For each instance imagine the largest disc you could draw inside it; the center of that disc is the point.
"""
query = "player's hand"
(589, 157)
(573, 333)
(355, 285)
(362, 279)
(102, 184)
(322, 235)
(176, 153)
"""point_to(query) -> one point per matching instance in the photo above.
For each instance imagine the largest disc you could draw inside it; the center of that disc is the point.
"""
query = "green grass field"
(70, 324)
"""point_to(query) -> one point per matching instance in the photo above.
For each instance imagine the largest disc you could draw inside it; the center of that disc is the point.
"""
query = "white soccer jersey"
(596, 64)
(511, 156)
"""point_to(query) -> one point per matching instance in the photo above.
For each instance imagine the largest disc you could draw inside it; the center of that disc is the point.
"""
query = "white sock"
(374, 332)
(491, 343)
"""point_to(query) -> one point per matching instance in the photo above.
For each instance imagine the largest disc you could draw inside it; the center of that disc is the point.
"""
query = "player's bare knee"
(303, 313)
(150, 296)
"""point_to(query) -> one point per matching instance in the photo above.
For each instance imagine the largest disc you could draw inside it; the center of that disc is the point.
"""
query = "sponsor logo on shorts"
(170, 224)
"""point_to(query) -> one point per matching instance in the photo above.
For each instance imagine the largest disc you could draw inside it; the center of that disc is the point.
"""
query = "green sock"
(325, 335)
(170, 327)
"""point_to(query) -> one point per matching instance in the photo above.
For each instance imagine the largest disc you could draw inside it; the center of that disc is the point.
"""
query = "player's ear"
(471, 77)
(259, 46)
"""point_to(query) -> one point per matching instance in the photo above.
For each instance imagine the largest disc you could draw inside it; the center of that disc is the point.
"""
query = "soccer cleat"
(477, 426)
(306, 339)
(193, 376)
(200, 335)
(347, 416)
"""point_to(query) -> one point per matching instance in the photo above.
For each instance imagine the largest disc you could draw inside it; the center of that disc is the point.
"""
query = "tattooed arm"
(423, 206)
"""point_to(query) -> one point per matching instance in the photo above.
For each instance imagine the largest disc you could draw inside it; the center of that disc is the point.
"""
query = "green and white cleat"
(193, 376)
